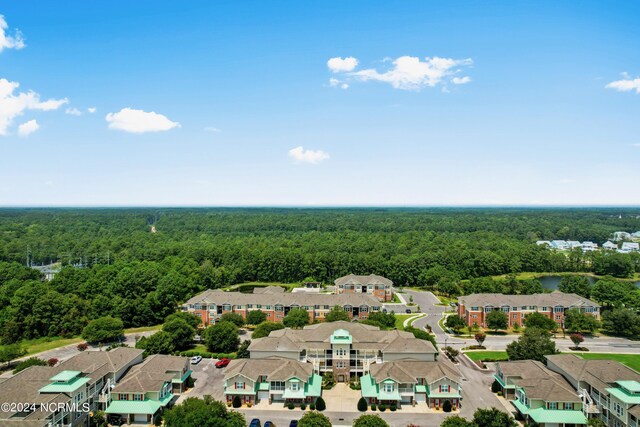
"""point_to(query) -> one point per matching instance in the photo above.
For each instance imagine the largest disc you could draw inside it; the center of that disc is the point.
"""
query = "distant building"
(49, 271)
(474, 308)
(543, 243)
(212, 304)
(589, 246)
(609, 245)
(621, 235)
(378, 286)
(560, 245)
(629, 247)
(573, 244)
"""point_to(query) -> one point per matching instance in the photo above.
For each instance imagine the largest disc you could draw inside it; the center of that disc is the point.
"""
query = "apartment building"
(377, 286)
(609, 389)
(147, 388)
(540, 395)
(474, 308)
(343, 348)
(273, 379)
(212, 304)
(64, 395)
(410, 381)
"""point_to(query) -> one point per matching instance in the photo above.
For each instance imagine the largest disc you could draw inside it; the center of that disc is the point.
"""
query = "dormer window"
(388, 388)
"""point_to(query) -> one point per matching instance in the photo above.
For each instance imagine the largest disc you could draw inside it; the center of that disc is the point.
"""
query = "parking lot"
(209, 380)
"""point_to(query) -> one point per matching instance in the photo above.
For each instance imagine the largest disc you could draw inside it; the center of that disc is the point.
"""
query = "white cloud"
(139, 121)
(567, 181)
(7, 41)
(300, 155)
(411, 73)
(27, 128)
(73, 111)
(625, 84)
(461, 80)
(333, 82)
(212, 129)
(92, 110)
(344, 86)
(340, 65)
(14, 105)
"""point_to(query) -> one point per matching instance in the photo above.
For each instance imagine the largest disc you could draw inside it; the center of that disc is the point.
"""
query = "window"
(524, 307)
(532, 307)
(364, 309)
(249, 305)
(123, 396)
(474, 316)
(544, 308)
(488, 309)
(198, 307)
(617, 408)
(568, 406)
(388, 388)
(341, 352)
(226, 307)
(239, 307)
(559, 309)
(558, 317)
(326, 307)
(239, 385)
(137, 397)
(514, 308)
(258, 305)
(589, 310)
(307, 307)
(279, 308)
(505, 309)
(474, 308)
(295, 386)
(268, 307)
(553, 405)
(444, 388)
(316, 307)
(515, 316)
(277, 385)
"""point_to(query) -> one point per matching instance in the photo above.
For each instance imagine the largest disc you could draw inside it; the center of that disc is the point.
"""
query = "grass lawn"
(143, 329)
(631, 360)
(484, 355)
(400, 318)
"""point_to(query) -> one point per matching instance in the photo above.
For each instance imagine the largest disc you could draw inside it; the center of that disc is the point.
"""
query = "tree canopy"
(369, 420)
(202, 413)
(335, 314)
(265, 328)
(222, 337)
(314, 419)
(296, 318)
(533, 344)
(103, 330)
(497, 319)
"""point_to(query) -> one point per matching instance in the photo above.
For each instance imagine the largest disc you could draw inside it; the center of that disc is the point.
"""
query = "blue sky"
(249, 109)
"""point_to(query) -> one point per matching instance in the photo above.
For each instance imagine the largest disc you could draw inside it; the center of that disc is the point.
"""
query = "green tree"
(223, 337)
(480, 337)
(27, 363)
(497, 319)
(575, 285)
(455, 421)
(596, 422)
(255, 317)
(296, 318)
(579, 321)
(610, 293)
(540, 321)
(234, 318)
(577, 339)
(337, 313)
(320, 404)
(103, 329)
(455, 322)
(243, 350)
(533, 344)
(383, 320)
(314, 419)
(620, 321)
(10, 352)
(265, 328)
(158, 343)
(181, 332)
(202, 413)
(369, 421)
(492, 418)
(190, 318)
(362, 404)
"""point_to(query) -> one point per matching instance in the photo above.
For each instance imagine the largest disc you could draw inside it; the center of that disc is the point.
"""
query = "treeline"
(129, 273)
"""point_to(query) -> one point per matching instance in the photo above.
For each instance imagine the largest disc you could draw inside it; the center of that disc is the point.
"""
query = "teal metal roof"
(290, 394)
(624, 396)
(314, 387)
(502, 383)
(437, 395)
(421, 388)
(341, 336)
(263, 386)
(65, 376)
(133, 407)
(183, 379)
(542, 415)
(632, 386)
(368, 387)
(65, 387)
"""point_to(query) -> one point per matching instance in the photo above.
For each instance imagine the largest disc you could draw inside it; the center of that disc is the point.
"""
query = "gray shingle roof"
(371, 279)
(408, 371)
(599, 373)
(538, 381)
(550, 300)
(275, 368)
(363, 337)
(300, 298)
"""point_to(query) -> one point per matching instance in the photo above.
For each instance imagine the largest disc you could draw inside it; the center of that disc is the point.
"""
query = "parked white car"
(195, 360)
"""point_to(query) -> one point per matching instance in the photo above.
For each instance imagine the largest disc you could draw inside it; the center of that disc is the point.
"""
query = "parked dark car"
(269, 424)
(408, 311)
(293, 423)
(254, 423)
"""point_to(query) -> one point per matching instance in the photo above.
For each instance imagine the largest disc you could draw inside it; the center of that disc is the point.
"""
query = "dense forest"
(115, 265)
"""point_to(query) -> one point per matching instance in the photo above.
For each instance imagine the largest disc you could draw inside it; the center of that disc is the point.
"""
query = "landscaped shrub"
(237, 402)
(303, 406)
(373, 407)
(362, 404)
(290, 405)
(320, 405)
(393, 408)
(499, 393)
(52, 362)
(495, 386)
(82, 346)
(312, 406)
(446, 406)
(382, 407)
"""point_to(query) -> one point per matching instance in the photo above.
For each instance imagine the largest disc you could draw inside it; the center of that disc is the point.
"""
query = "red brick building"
(377, 286)
(474, 308)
